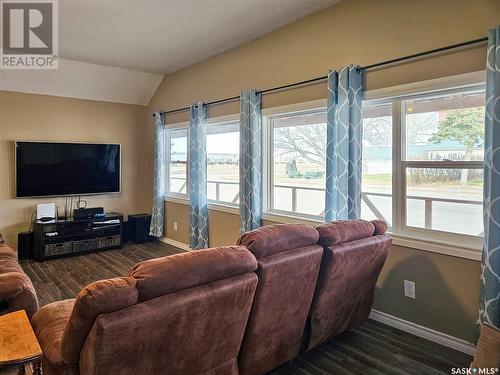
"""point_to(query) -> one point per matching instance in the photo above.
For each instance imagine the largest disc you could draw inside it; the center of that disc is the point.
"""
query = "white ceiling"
(161, 36)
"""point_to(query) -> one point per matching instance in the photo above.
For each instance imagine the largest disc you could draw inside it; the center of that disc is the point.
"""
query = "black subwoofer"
(24, 245)
(138, 228)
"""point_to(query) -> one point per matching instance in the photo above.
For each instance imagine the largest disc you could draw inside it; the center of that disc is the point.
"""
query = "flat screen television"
(50, 169)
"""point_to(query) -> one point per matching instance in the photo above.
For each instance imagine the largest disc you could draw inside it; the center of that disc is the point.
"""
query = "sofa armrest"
(17, 293)
(11, 284)
(48, 324)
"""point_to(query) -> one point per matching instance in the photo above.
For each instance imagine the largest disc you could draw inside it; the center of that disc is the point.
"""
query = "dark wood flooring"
(63, 278)
(375, 348)
(372, 348)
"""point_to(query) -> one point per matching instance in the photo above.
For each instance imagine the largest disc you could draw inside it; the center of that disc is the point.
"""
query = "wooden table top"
(18, 343)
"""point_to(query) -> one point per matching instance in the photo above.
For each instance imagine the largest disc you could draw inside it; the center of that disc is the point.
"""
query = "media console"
(64, 237)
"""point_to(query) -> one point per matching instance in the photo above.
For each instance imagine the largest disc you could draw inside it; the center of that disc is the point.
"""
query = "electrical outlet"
(409, 288)
(175, 225)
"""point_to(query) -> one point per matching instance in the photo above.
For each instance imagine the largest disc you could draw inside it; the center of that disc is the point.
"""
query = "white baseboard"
(424, 332)
(175, 243)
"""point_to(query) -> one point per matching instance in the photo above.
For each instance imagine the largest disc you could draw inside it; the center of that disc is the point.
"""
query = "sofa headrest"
(165, 275)
(341, 231)
(100, 297)
(380, 227)
(272, 239)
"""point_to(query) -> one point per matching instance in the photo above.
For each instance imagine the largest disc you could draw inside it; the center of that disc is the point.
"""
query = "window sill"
(283, 218)
(436, 246)
(214, 206)
(404, 240)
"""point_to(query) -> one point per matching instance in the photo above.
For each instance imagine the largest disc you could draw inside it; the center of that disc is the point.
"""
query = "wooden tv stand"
(71, 237)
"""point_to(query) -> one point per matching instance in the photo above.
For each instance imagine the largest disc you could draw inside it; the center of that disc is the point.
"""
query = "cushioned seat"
(354, 253)
(289, 261)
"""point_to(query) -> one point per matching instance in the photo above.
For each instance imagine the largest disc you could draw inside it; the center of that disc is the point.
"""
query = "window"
(177, 161)
(442, 161)
(298, 163)
(422, 162)
(223, 152)
(376, 190)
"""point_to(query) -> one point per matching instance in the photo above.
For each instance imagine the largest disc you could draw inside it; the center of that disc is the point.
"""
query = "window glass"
(177, 161)
(436, 198)
(299, 153)
(223, 150)
(445, 127)
(376, 202)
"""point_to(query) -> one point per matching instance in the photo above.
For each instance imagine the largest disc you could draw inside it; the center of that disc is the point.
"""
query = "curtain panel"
(489, 304)
(198, 208)
(250, 160)
(157, 216)
(344, 141)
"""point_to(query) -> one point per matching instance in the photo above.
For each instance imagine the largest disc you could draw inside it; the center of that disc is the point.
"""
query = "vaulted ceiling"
(161, 36)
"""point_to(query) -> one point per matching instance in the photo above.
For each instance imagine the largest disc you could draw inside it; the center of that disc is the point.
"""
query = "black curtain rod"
(363, 68)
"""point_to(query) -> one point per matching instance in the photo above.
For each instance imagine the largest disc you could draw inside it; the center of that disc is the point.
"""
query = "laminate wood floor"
(372, 348)
(63, 278)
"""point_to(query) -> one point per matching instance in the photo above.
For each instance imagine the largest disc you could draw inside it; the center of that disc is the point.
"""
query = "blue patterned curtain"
(489, 306)
(198, 209)
(343, 150)
(250, 160)
(156, 227)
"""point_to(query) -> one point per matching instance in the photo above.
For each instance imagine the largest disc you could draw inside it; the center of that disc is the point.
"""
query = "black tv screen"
(47, 169)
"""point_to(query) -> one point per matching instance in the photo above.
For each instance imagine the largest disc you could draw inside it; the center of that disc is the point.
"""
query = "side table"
(18, 343)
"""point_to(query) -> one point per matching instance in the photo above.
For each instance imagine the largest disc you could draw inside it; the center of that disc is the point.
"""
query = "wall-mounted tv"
(50, 168)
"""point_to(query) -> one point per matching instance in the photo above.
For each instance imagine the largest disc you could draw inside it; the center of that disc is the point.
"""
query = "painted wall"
(39, 117)
(352, 32)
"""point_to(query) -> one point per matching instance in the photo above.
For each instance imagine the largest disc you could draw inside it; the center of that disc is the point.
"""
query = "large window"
(422, 163)
(177, 161)
(422, 166)
(298, 163)
(442, 161)
(223, 152)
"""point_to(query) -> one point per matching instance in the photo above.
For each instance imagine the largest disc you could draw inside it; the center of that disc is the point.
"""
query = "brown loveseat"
(16, 288)
(181, 314)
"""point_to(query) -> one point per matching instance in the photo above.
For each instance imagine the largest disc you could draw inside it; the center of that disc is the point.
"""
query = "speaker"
(24, 245)
(138, 228)
(125, 232)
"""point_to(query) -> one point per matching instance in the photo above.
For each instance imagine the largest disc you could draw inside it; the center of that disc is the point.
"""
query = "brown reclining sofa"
(244, 309)
(16, 288)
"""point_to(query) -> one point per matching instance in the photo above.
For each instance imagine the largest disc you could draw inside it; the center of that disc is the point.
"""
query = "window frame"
(454, 244)
(268, 116)
(403, 164)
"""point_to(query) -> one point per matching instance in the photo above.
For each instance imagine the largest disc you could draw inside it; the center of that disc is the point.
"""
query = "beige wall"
(353, 32)
(39, 117)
